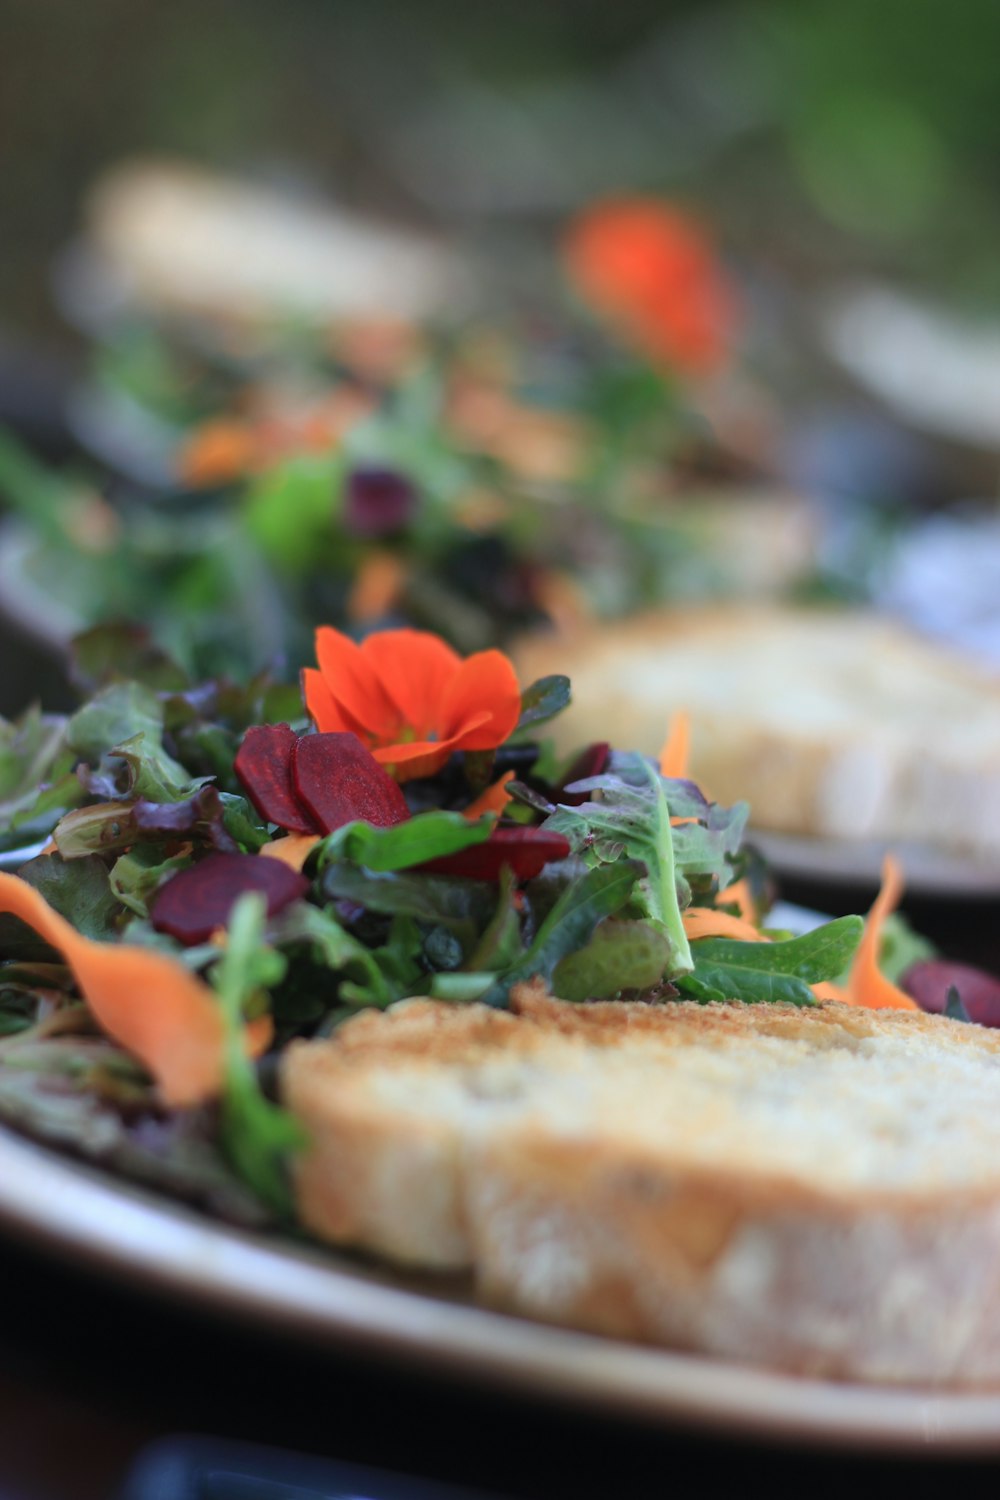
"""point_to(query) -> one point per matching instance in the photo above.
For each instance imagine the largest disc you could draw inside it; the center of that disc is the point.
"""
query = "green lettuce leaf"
(429, 835)
(568, 927)
(726, 969)
(631, 820)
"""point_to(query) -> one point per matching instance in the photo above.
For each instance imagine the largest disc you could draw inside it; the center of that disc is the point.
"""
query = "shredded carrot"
(156, 1008)
(216, 453)
(705, 921)
(866, 984)
(493, 800)
(738, 895)
(675, 755)
(293, 850)
(377, 587)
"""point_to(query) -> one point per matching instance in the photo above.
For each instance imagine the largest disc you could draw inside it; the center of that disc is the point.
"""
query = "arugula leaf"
(79, 890)
(632, 819)
(430, 898)
(621, 955)
(137, 874)
(427, 836)
(541, 702)
(124, 724)
(117, 650)
(500, 943)
(596, 895)
(726, 969)
(257, 1136)
(338, 950)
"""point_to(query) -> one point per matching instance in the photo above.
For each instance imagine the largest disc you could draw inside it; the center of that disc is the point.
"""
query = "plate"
(858, 862)
(328, 1297)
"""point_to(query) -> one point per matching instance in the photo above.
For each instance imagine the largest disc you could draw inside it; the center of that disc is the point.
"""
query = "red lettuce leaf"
(201, 814)
(340, 781)
(590, 762)
(199, 899)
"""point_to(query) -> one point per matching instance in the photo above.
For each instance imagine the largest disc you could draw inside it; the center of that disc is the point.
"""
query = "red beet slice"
(199, 899)
(525, 850)
(339, 781)
(929, 982)
(264, 765)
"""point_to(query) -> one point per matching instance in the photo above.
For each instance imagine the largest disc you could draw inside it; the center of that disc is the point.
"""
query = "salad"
(226, 868)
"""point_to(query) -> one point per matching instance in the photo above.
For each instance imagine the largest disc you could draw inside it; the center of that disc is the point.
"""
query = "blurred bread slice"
(814, 1190)
(184, 240)
(829, 722)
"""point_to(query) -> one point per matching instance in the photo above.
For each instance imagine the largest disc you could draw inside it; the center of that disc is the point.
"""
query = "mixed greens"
(419, 837)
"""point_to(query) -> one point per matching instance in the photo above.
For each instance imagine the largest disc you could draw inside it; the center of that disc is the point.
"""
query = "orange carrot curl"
(676, 752)
(152, 1005)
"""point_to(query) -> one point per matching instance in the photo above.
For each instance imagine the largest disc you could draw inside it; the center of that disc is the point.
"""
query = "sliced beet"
(340, 781)
(199, 899)
(929, 981)
(526, 850)
(264, 765)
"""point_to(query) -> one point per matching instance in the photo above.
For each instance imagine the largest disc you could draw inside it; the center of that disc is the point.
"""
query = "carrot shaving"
(293, 850)
(866, 984)
(675, 755)
(148, 1002)
(377, 587)
(738, 894)
(493, 800)
(705, 921)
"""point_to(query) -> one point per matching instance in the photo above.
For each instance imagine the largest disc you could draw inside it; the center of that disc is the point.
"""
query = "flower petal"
(415, 669)
(416, 758)
(148, 1002)
(347, 670)
(324, 710)
(486, 680)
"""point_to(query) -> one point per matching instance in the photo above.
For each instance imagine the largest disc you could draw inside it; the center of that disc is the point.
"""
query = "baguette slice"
(829, 722)
(814, 1190)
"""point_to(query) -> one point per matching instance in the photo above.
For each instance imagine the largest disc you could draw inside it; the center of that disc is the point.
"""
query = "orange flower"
(651, 271)
(410, 698)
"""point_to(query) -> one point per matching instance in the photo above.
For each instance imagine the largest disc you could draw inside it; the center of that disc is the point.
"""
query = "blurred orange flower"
(650, 270)
(410, 698)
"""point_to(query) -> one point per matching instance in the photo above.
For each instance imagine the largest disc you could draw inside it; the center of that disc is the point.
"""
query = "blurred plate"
(858, 862)
(334, 1300)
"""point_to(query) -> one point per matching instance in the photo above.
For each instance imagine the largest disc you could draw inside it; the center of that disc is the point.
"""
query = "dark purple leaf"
(202, 813)
(378, 502)
(929, 981)
(340, 781)
(199, 899)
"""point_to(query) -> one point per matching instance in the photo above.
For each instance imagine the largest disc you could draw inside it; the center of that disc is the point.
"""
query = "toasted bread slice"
(829, 722)
(816, 1190)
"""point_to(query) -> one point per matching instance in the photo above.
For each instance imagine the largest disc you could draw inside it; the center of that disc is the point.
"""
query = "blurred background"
(347, 312)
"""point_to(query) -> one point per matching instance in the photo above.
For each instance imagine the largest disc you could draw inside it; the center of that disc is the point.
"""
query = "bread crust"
(582, 1223)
